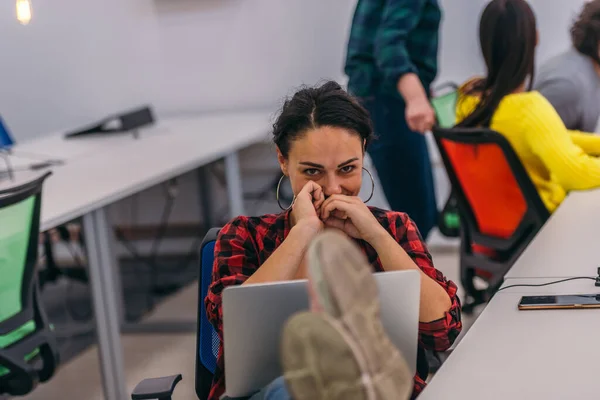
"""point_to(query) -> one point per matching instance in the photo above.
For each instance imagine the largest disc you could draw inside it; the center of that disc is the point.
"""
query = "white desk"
(512, 354)
(56, 146)
(550, 354)
(102, 170)
(569, 243)
(98, 173)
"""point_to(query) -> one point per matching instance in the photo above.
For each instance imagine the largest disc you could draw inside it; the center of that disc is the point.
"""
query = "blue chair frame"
(6, 140)
(207, 339)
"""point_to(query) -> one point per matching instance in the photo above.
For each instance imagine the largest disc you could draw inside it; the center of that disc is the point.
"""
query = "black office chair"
(207, 340)
(28, 350)
(500, 208)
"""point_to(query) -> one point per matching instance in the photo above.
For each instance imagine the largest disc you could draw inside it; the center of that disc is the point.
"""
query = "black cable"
(162, 231)
(133, 251)
(183, 265)
(545, 284)
(144, 260)
(139, 259)
(150, 260)
(84, 316)
(163, 224)
(74, 254)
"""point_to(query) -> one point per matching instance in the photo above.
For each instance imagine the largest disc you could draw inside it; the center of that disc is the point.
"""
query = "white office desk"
(512, 354)
(55, 146)
(102, 170)
(549, 354)
(568, 244)
(171, 149)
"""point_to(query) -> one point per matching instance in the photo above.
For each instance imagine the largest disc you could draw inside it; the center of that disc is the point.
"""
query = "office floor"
(157, 355)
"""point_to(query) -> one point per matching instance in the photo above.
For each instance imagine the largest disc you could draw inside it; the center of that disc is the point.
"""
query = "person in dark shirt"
(391, 62)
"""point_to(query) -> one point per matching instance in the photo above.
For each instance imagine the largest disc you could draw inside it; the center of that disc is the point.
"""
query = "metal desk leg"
(234, 185)
(111, 256)
(205, 201)
(105, 299)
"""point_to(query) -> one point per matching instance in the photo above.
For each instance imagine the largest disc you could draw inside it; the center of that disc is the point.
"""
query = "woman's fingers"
(309, 188)
(335, 223)
(311, 192)
(340, 198)
(339, 214)
(332, 205)
(318, 197)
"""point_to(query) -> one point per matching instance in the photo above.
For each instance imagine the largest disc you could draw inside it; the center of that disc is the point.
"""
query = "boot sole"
(351, 298)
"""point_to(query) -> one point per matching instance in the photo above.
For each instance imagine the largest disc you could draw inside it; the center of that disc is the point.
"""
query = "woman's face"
(332, 157)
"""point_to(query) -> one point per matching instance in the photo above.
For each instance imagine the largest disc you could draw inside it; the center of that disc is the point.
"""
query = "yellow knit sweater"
(557, 160)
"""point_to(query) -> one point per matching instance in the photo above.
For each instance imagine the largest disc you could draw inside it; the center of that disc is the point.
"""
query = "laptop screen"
(5, 138)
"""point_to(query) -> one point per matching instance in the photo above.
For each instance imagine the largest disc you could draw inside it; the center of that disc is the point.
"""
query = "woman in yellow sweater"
(557, 160)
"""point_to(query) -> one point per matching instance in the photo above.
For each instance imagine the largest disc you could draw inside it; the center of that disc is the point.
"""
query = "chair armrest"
(156, 388)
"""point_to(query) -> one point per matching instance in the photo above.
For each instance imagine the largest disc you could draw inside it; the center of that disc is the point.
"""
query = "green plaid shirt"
(390, 38)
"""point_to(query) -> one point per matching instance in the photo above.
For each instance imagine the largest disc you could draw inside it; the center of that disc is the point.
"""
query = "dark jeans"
(276, 390)
(402, 162)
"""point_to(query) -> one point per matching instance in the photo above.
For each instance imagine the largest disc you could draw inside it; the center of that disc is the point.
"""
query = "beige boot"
(319, 361)
(346, 289)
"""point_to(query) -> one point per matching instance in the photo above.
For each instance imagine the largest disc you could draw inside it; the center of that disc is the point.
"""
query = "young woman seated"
(321, 136)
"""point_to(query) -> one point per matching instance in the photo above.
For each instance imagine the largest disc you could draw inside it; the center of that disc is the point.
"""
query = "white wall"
(230, 54)
(66, 68)
(79, 60)
(459, 56)
(554, 18)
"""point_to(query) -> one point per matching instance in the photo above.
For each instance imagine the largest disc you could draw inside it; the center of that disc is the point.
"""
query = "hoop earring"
(278, 197)
(372, 185)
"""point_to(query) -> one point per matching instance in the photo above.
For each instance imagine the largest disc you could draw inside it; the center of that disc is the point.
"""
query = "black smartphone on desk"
(563, 301)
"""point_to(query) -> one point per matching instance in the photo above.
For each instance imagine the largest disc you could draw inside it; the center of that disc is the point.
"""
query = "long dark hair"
(508, 36)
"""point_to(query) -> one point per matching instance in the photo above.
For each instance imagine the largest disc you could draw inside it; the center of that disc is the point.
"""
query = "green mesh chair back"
(27, 346)
(444, 105)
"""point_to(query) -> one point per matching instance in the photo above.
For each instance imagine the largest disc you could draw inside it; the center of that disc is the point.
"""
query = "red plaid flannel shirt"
(245, 243)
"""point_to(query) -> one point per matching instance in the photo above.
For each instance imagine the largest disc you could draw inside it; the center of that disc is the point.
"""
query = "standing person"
(571, 80)
(391, 63)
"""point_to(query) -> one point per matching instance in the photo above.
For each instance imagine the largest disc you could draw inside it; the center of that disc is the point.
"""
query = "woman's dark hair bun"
(325, 105)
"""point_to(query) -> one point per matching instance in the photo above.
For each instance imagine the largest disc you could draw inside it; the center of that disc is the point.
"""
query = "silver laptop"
(254, 316)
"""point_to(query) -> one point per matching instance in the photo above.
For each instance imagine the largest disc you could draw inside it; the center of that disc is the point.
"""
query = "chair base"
(156, 388)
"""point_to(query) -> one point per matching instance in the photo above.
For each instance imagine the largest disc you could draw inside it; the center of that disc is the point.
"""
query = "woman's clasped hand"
(346, 213)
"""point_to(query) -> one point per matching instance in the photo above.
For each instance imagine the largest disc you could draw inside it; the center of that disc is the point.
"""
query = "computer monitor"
(5, 139)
